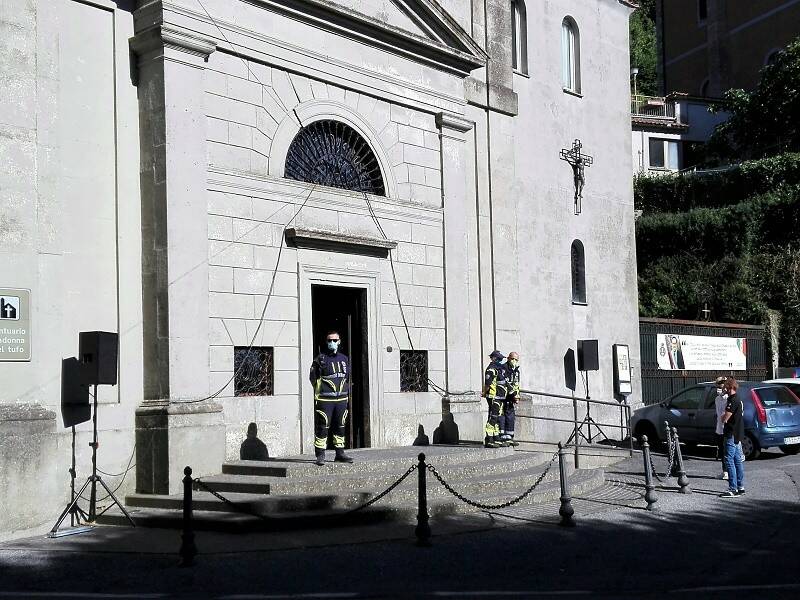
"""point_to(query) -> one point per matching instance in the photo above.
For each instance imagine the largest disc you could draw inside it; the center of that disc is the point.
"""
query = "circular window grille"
(334, 154)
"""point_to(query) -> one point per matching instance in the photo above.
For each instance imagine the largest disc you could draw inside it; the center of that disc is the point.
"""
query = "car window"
(711, 399)
(688, 399)
(795, 387)
(775, 396)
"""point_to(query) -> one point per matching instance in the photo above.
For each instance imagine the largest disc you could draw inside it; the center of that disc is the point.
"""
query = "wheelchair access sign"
(15, 325)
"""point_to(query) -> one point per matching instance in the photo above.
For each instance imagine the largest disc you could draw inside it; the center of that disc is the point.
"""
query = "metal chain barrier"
(481, 506)
(670, 458)
(370, 502)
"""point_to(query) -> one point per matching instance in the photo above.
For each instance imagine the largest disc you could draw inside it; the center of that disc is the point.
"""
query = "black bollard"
(650, 493)
(188, 549)
(683, 480)
(423, 530)
(566, 511)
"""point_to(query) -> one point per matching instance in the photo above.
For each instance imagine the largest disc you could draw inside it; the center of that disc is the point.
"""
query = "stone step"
(366, 460)
(490, 484)
(591, 456)
(473, 481)
(229, 522)
(250, 503)
(390, 508)
(323, 480)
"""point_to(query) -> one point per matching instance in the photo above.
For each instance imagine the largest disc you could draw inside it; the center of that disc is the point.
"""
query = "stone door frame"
(340, 277)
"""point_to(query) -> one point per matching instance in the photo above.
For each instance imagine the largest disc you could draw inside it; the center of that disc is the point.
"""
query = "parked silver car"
(771, 417)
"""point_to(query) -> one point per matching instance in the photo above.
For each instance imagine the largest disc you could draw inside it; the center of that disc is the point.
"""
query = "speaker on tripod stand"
(98, 351)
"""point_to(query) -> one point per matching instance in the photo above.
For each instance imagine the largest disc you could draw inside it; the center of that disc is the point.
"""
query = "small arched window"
(578, 268)
(519, 32)
(570, 55)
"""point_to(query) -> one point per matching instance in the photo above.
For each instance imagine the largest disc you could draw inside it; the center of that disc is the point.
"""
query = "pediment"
(421, 29)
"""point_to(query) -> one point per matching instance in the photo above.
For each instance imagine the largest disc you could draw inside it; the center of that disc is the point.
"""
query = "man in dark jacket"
(733, 433)
(330, 378)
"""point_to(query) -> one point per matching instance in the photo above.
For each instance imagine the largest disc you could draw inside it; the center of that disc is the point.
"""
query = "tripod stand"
(73, 509)
(587, 421)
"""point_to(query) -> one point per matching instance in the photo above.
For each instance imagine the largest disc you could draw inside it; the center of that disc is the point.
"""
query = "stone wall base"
(171, 436)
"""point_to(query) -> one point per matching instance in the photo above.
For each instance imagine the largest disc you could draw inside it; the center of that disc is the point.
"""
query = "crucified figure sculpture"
(578, 162)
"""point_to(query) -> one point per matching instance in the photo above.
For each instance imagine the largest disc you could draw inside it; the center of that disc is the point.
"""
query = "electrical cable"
(124, 475)
(263, 310)
(247, 65)
(436, 388)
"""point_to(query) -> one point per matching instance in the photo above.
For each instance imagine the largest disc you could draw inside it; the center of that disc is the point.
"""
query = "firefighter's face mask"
(513, 362)
(333, 344)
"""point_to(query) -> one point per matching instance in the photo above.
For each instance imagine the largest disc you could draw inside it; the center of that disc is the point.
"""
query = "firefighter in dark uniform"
(495, 391)
(508, 415)
(330, 377)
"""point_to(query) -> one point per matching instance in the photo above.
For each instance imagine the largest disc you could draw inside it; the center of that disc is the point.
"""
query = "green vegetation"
(766, 121)
(740, 260)
(643, 48)
(730, 238)
(714, 189)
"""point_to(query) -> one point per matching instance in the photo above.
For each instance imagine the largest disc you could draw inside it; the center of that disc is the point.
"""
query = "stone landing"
(293, 492)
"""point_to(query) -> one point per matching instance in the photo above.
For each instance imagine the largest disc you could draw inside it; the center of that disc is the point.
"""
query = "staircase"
(293, 492)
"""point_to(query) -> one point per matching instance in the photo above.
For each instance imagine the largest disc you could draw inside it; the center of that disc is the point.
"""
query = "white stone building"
(144, 190)
(669, 132)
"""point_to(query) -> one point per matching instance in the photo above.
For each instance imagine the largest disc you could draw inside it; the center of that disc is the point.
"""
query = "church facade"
(223, 182)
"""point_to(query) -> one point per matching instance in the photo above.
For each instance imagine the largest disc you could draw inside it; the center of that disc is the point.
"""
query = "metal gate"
(658, 384)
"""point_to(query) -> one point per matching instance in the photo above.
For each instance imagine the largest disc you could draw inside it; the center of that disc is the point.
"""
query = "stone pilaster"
(171, 433)
(461, 266)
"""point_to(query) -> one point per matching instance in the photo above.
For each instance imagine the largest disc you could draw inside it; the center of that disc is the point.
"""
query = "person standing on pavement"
(720, 402)
(495, 390)
(330, 378)
(508, 415)
(733, 433)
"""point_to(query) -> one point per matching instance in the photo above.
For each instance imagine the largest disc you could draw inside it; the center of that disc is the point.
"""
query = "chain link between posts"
(243, 509)
(670, 458)
(482, 506)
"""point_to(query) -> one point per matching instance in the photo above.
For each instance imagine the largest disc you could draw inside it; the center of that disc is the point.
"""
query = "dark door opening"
(345, 310)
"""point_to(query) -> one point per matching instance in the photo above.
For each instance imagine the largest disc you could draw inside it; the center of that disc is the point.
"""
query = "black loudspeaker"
(570, 377)
(75, 407)
(98, 352)
(588, 359)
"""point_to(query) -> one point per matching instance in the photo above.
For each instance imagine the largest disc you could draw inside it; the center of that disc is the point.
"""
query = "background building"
(710, 46)
(221, 181)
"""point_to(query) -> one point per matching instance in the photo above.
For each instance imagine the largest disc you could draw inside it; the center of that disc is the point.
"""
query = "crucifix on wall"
(578, 161)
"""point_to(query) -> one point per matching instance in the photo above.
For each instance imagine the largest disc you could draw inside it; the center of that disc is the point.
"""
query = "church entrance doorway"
(345, 310)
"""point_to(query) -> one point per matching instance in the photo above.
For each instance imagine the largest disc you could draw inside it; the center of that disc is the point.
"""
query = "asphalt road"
(693, 546)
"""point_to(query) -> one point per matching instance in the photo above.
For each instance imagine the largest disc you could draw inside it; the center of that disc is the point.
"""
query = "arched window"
(519, 29)
(570, 55)
(578, 268)
(334, 154)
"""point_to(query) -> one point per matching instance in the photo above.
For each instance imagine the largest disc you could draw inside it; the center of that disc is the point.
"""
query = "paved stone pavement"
(696, 545)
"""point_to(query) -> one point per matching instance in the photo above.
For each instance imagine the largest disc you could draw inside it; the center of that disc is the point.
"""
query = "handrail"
(579, 399)
(587, 421)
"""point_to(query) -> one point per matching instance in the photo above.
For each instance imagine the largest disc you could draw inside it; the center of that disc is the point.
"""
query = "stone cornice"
(170, 36)
(320, 239)
(454, 52)
(445, 120)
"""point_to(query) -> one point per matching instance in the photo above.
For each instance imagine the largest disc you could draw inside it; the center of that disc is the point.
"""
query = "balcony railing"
(652, 107)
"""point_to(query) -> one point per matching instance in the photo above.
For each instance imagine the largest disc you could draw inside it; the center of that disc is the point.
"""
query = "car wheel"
(793, 449)
(750, 448)
(648, 429)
